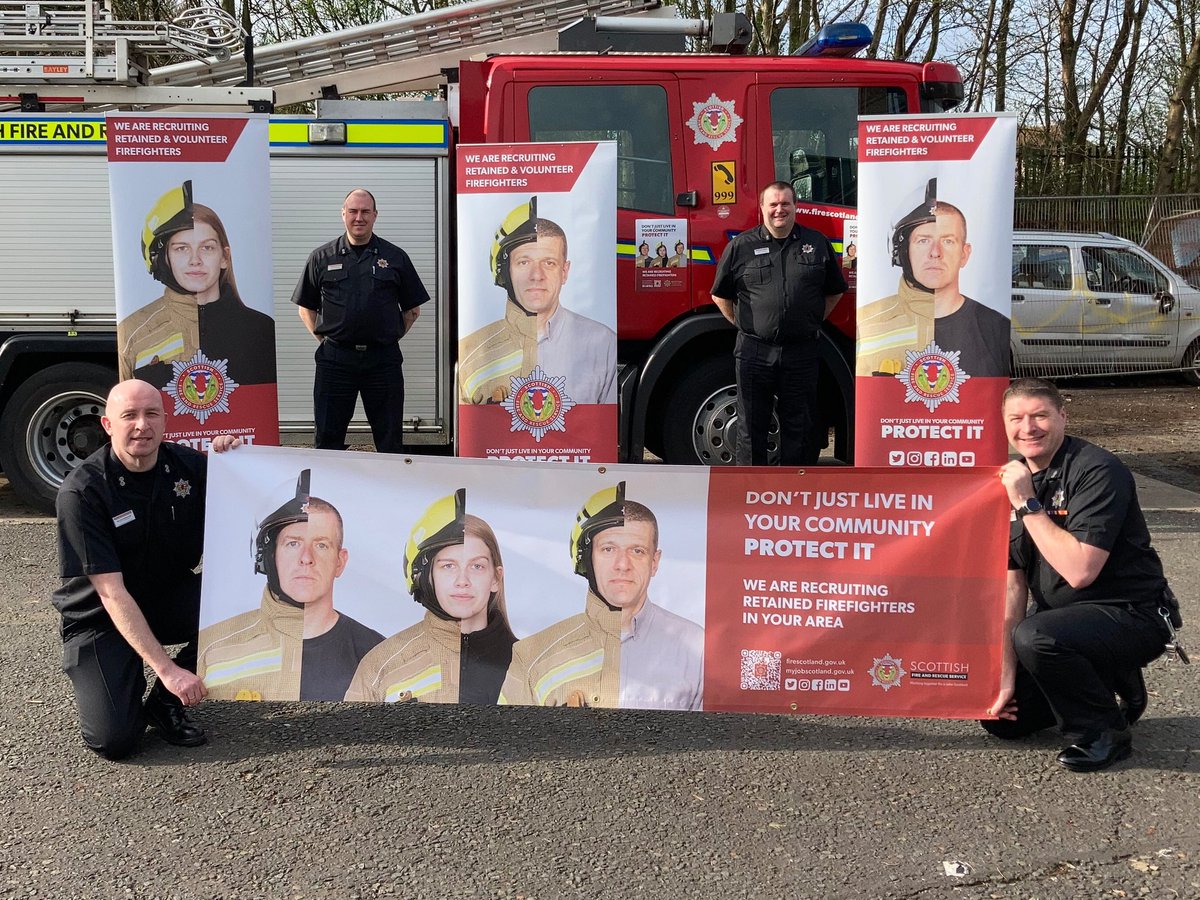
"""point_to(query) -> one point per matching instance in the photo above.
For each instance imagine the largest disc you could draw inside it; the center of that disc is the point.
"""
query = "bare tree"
(1173, 134)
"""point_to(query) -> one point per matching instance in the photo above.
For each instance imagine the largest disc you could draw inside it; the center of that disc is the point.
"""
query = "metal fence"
(1140, 218)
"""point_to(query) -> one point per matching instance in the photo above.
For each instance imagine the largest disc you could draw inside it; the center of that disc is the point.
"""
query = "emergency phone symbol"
(724, 181)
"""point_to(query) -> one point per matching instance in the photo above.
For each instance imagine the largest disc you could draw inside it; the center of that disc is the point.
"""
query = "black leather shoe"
(1131, 688)
(173, 725)
(1110, 747)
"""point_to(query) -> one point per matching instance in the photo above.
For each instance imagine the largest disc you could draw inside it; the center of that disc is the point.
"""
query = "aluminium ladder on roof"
(406, 53)
(77, 52)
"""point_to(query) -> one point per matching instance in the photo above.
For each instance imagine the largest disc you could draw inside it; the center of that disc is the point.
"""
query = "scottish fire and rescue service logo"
(886, 672)
(714, 122)
(200, 386)
(932, 376)
(538, 403)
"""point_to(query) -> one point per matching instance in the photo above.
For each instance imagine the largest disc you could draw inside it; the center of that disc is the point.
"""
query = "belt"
(360, 348)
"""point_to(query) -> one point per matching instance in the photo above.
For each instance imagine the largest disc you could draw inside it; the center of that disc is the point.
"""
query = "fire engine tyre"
(700, 418)
(51, 425)
(1191, 363)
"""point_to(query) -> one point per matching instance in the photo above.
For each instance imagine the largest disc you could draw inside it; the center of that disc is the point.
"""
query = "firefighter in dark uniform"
(358, 296)
(130, 534)
(777, 283)
(1101, 604)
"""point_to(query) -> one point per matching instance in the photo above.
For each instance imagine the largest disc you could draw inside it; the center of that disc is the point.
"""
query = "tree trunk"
(1173, 133)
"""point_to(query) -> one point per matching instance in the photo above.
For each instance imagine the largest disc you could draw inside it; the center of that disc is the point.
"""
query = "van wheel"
(1191, 364)
(700, 419)
(50, 426)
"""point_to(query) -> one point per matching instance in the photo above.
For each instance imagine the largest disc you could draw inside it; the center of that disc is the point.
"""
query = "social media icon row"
(816, 684)
(931, 458)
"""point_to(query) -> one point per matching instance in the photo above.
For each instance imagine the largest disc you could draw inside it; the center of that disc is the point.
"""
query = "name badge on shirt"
(333, 267)
(124, 518)
(761, 251)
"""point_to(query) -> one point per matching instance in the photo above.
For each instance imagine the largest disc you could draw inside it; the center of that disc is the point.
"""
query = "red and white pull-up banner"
(537, 302)
(191, 216)
(934, 259)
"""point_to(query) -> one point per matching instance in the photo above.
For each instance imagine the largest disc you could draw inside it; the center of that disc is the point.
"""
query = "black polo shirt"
(149, 526)
(360, 296)
(779, 284)
(1091, 494)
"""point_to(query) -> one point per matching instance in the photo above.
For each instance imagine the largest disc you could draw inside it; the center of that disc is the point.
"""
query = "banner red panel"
(855, 592)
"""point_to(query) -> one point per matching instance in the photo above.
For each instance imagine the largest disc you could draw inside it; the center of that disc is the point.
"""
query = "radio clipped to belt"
(1169, 610)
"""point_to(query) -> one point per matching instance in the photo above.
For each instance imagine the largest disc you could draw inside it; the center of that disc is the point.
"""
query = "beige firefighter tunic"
(490, 357)
(419, 663)
(889, 327)
(576, 662)
(160, 332)
(255, 655)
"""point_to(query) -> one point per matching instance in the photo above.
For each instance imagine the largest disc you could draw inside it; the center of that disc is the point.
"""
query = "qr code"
(760, 670)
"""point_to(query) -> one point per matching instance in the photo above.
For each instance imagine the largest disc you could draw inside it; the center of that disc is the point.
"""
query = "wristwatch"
(1029, 507)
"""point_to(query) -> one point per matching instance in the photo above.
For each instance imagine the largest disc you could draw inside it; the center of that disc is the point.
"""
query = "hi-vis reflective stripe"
(905, 336)
(168, 349)
(568, 671)
(52, 130)
(399, 133)
(701, 255)
(262, 663)
(90, 130)
(505, 365)
(419, 685)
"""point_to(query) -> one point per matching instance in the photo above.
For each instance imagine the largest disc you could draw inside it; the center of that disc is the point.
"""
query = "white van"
(1096, 304)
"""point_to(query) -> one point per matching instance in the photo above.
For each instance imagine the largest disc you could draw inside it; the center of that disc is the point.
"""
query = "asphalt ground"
(344, 801)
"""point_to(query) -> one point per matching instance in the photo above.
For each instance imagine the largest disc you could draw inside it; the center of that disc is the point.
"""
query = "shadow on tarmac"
(364, 736)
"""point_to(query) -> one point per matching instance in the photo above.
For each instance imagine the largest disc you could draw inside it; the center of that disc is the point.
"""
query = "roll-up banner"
(354, 576)
(537, 301)
(191, 221)
(933, 257)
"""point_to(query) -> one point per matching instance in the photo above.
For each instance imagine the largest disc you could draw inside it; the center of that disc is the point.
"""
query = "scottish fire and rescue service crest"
(886, 672)
(538, 403)
(932, 376)
(714, 122)
(200, 386)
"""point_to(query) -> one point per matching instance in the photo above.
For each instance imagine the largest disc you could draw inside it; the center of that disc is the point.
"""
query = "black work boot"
(166, 715)
(1131, 688)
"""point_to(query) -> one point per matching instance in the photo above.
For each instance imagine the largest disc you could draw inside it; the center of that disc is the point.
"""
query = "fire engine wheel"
(50, 426)
(1191, 364)
(700, 419)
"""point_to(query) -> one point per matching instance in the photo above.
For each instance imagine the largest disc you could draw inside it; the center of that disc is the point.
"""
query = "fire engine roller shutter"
(56, 253)
(306, 197)
(55, 237)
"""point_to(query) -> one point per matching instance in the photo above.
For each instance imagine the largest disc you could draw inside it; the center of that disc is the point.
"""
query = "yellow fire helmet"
(603, 510)
(172, 213)
(442, 525)
(293, 511)
(519, 227)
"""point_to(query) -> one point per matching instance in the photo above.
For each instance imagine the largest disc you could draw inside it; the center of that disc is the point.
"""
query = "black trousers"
(343, 373)
(1069, 660)
(766, 373)
(109, 681)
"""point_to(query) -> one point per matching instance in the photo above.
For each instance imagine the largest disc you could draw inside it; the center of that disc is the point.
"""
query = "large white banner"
(369, 577)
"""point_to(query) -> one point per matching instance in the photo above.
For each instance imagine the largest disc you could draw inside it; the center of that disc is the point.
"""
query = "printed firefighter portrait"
(185, 247)
(295, 645)
(459, 652)
(529, 260)
(623, 650)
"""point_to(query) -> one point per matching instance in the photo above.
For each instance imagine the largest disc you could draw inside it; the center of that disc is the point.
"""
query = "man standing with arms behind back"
(358, 295)
(777, 283)
(1080, 544)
